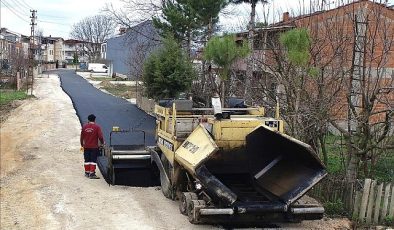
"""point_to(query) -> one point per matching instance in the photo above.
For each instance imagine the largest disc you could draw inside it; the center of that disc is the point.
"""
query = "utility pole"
(33, 23)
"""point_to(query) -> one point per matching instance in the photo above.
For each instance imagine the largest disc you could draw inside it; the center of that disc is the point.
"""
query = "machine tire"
(185, 201)
(191, 211)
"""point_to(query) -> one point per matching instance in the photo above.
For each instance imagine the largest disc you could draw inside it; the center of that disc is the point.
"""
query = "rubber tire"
(190, 211)
(185, 201)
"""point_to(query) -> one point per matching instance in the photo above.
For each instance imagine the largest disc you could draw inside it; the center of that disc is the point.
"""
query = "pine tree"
(168, 71)
(223, 52)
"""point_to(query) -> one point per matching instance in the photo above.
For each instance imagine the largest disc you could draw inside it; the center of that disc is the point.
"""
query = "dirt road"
(42, 181)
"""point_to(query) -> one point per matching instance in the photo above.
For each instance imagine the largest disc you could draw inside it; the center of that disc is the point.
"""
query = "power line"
(52, 16)
(42, 15)
(17, 9)
(16, 2)
(14, 12)
(28, 6)
(57, 23)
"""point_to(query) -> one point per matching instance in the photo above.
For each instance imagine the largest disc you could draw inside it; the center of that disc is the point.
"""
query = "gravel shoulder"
(42, 181)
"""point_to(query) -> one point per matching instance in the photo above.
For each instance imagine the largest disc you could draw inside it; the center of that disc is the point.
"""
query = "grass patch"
(336, 208)
(103, 79)
(382, 171)
(7, 96)
(336, 152)
(119, 90)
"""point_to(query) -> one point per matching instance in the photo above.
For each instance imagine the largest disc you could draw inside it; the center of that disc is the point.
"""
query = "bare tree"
(369, 88)
(347, 86)
(313, 97)
(93, 31)
(133, 12)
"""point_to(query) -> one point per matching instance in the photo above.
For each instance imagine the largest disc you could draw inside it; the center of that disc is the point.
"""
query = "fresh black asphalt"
(109, 110)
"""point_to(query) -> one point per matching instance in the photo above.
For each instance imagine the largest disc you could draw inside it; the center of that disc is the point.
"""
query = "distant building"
(74, 47)
(127, 51)
(14, 48)
(52, 49)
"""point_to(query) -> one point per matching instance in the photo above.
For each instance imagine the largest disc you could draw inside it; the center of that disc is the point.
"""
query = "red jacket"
(90, 134)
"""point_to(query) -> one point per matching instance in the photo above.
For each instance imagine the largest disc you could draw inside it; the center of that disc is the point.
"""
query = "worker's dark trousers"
(90, 156)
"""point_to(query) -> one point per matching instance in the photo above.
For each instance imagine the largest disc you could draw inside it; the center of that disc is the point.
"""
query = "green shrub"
(335, 208)
(388, 220)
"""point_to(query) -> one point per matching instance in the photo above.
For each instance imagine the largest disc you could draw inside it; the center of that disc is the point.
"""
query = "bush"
(335, 208)
(388, 220)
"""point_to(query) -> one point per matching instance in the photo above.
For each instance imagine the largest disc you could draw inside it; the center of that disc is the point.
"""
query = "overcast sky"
(55, 17)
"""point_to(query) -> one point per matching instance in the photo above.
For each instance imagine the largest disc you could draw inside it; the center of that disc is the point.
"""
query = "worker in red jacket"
(91, 134)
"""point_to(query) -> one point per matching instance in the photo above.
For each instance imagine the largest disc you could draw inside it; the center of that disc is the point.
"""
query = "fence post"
(356, 206)
(364, 199)
(377, 204)
(18, 80)
(391, 213)
(385, 202)
(370, 202)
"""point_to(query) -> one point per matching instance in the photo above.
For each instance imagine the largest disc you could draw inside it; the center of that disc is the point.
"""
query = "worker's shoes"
(93, 176)
(87, 174)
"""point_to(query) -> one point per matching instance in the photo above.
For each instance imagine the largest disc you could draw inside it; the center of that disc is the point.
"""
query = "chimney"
(122, 30)
(286, 16)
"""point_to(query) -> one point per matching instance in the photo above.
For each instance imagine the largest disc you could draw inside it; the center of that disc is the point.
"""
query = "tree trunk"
(223, 83)
(323, 149)
(189, 43)
(351, 177)
(208, 64)
(250, 59)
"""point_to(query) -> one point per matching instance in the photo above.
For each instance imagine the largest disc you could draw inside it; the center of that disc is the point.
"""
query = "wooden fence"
(369, 202)
(330, 190)
(374, 203)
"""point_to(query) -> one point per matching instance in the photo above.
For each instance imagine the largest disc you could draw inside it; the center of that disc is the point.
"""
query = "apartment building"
(74, 47)
(53, 49)
(14, 48)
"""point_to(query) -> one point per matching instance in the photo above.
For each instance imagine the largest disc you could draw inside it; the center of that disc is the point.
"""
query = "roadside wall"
(146, 104)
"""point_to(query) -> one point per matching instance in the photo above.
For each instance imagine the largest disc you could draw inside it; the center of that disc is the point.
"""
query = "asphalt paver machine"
(233, 165)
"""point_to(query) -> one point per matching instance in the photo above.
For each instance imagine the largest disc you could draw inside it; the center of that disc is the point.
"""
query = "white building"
(53, 50)
(75, 47)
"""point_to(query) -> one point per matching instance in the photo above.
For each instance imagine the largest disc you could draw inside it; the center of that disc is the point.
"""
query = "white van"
(97, 67)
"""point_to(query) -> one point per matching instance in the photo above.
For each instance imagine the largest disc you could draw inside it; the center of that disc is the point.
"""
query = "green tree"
(75, 58)
(223, 52)
(186, 18)
(297, 43)
(207, 12)
(168, 71)
(179, 19)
